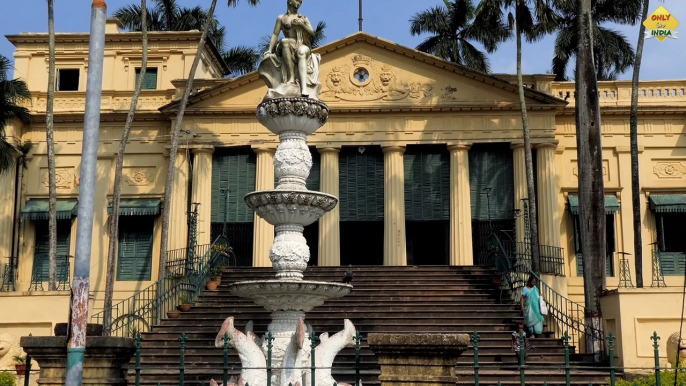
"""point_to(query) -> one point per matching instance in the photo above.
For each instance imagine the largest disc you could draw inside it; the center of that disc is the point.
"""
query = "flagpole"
(360, 19)
(78, 318)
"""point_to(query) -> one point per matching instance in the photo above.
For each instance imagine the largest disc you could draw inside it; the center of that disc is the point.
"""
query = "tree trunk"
(50, 139)
(171, 172)
(591, 184)
(528, 158)
(116, 194)
(633, 135)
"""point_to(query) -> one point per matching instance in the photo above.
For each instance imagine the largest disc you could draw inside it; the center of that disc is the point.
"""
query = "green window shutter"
(135, 248)
(361, 184)
(42, 247)
(427, 183)
(491, 166)
(233, 169)
(673, 263)
(609, 265)
(609, 248)
(313, 180)
(150, 82)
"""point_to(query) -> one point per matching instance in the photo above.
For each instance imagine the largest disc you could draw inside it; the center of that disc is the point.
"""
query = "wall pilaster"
(395, 252)
(520, 190)
(263, 231)
(329, 224)
(202, 191)
(461, 252)
(178, 220)
(548, 190)
(7, 199)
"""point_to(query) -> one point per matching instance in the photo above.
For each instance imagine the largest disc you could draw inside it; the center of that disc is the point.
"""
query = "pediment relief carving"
(365, 80)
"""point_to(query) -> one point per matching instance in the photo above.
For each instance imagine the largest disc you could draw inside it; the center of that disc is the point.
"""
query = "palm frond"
(233, 3)
(613, 53)
(241, 60)
(319, 36)
(8, 156)
(473, 57)
(433, 21)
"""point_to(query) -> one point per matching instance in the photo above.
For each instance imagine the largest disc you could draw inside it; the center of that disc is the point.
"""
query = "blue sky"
(387, 19)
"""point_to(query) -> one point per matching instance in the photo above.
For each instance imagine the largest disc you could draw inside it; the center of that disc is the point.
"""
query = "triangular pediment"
(363, 72)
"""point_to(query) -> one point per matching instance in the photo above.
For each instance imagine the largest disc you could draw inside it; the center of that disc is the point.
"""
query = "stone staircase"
(431, 299)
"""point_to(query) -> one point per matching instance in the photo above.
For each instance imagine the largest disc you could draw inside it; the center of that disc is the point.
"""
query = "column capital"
(203, 149)
(258, 149)
(328, 149)
(393, 149)
(459, 146)
(551, 144)
(518, 144)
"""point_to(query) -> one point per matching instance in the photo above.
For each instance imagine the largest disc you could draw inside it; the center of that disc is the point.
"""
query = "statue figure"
(289, 68)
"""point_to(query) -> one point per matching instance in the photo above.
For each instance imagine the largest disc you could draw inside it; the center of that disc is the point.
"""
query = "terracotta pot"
(211, 285)
(21, 369)
(184, 307)
(173, 314)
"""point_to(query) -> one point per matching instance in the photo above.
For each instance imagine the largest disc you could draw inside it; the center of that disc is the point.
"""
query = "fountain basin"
(280, 207)
(292, 114)
(289, 295)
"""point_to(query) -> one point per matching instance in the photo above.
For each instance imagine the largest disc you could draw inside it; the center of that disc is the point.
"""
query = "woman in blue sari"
(531, 307)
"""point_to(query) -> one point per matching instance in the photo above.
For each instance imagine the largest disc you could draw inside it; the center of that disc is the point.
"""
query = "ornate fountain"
(292, 110)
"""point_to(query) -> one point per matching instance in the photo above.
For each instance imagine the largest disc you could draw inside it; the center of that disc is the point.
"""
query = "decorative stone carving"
(289, 295)
(449, 93)
(64, 178)
(292, 161)
(294, 114)
(9, 347)
(669, 169)
(288, 207)
(139, 176)
(252, 358)
(675, 344)
(363, 81)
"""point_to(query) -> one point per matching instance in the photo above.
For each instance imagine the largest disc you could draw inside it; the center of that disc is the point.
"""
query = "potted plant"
(221, 249)
(174, 314)
(184, 306)
(134, 331)
(20, 364)
(211, 285)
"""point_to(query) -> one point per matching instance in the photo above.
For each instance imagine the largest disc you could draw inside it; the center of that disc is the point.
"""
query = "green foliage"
(666, 379)
(14, 94)
(19, 359)
(183, 298)
(7, 379)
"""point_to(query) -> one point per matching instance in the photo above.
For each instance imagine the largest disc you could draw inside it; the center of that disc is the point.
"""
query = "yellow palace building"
(426, 157)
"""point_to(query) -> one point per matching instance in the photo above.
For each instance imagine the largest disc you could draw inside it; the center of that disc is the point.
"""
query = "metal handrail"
(552, 261)
(146, 308)
(563, 316)
(63, 272)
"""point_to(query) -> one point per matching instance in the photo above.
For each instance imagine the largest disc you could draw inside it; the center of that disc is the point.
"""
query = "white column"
(202, 191)
(178, 221)
(461, 252)
(263, 231)
(520, 190)
(548, 212)
(395, 252)
(329, 224)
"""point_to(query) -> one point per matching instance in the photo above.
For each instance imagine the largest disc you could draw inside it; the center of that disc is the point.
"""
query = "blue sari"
(532, 310)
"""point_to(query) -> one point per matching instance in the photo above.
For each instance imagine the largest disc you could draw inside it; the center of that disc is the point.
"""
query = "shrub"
(7, 379)
(666, 379)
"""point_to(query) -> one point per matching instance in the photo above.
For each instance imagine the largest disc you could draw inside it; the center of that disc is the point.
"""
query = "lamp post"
(78, 318)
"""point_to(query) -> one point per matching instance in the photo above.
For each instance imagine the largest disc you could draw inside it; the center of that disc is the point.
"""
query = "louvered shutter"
(313, 180)
(42, 249)
(491, 166)
(150, 82)
(361, 184)
(610, 247)
(427, 183)
(135, 248)
(233, 169)
(673, 263)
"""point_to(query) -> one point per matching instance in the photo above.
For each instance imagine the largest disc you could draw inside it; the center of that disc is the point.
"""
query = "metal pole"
(225, 192)
(76, 345)
(360, 19)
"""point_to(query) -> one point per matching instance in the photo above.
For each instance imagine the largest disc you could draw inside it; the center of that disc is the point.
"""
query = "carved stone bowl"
(292, 114)
(281, 207)
(287, 295)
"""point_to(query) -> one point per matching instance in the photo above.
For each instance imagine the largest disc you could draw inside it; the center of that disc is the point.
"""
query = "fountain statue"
(291, 110)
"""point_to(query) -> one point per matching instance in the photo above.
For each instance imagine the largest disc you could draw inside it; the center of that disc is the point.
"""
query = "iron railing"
(183, 259)
(564, 315)
(552, 261)
(145, 309)
(39, 275)
(8, 276)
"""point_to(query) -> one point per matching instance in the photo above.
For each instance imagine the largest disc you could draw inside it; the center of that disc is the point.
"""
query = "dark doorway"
(362, 243)
(240, 237)
(428, 242)
(311, 234)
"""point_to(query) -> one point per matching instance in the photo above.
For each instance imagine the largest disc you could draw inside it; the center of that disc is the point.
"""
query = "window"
(40, 254)
(671, 243)
(68, 79)
(135, 248)
(609, 247)
(150, 82)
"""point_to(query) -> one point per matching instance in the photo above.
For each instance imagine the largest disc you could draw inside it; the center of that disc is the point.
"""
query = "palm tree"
(453, 29)
(166, 15)
(116, 194)
(533, 19)
(171, 170)
(12, 93)
(50, 139)
(612, 52)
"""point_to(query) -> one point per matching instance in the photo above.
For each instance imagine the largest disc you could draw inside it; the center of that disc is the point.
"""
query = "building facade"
(427, 159)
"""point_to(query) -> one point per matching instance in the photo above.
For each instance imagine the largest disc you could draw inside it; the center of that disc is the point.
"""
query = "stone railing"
(112, 101)
(618, 93)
